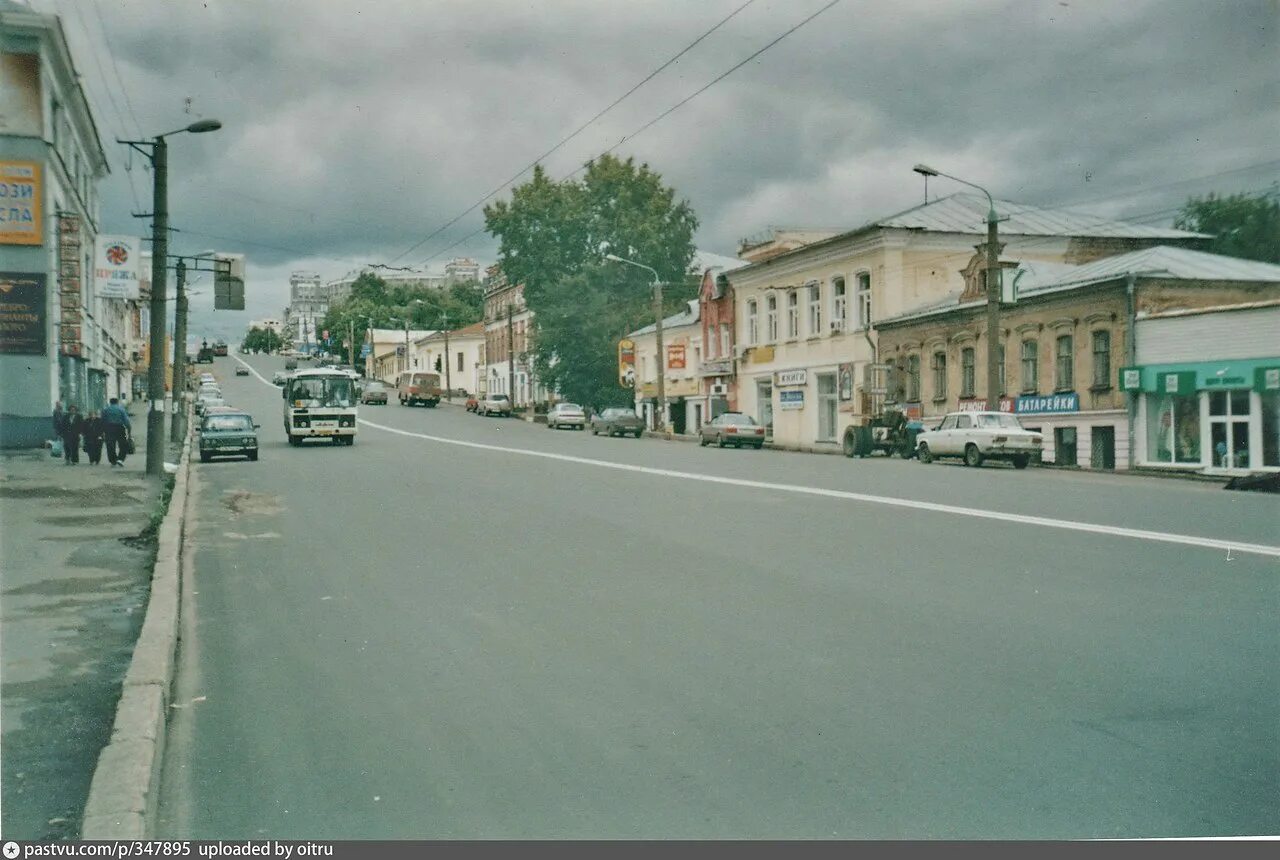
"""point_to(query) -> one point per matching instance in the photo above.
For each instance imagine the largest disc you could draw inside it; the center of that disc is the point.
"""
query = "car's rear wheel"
(972, 456)
(1020, 462)
(205, 456)
(720, 441)
(253, 455)
(639, 433)
(702, 441)
(923, 452)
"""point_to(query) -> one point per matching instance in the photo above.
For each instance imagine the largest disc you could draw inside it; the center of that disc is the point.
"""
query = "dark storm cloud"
(354, 129)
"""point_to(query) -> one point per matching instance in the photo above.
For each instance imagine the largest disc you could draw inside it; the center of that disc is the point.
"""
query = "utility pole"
(448, 380)
(662, 357)
(511, 354)
(351, 343)
(159, 264)
(178, 423)
(406, 341)
(993, 312)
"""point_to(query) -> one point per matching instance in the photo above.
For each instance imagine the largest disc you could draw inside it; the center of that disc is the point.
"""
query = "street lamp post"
(448, 380)
(178, 422)
(993, 286)
(157, 150)
(661, 355)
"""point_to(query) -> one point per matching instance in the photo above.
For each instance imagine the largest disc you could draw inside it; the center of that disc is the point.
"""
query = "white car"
(979, 436)
(569, 415)
(495, 404)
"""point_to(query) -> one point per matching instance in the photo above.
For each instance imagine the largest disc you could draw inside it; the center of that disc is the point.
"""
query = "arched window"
(913, 378)
(1030, 367)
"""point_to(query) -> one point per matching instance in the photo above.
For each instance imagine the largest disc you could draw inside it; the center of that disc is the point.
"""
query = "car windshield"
(374, 386)
(1002, 422)
(314, 391)
(228, 422)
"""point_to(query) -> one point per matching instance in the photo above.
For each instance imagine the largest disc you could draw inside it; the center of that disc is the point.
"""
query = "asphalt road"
(415, 638)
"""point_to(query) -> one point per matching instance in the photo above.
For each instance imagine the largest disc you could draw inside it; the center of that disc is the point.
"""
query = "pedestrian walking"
(94, 434)
(57, 419)
(72, 429)
(118, 430)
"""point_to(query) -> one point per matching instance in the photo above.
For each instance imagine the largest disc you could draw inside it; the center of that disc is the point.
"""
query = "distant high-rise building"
(461, 269)
(308, 304)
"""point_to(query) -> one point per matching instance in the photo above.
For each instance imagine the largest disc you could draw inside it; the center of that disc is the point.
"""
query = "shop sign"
(627, 363)
(762, 354)
(791, 399)
(791, 377)
(1183, 382)
(979, 404)
(22, 313)
(676, 356)
(1131, 379)
(1221, 379)
(1266, 379)
(20, 192)
(1035, 404)
(716, 367)
(116, 266)
(846, 381)
(69, 284)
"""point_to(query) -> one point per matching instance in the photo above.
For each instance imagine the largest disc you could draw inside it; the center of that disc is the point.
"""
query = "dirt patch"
(241, 502)
(106, 496)
(82, 520)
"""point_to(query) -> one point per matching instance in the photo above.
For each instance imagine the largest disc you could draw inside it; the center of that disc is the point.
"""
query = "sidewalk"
(73, 588)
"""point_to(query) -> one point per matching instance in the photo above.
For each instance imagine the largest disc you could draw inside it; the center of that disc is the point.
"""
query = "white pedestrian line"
(913, 504)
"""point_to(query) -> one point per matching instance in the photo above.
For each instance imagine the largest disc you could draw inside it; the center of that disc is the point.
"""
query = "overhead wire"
(686, 49)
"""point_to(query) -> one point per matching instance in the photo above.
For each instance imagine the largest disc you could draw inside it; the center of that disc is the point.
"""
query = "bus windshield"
(315, 391)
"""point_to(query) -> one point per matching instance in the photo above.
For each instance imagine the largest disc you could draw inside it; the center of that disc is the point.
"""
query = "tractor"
(891, 432)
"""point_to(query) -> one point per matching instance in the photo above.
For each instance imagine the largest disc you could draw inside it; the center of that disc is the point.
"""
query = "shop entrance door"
(1229, 428)
(1064, 443)
(1103, 447)
(764, 406)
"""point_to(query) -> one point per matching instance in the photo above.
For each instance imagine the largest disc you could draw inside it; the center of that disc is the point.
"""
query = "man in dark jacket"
(72, 427)
(116, 427)
(58, 415)
(93, 436)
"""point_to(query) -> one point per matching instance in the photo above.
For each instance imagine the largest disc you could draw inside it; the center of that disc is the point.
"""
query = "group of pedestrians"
(111, 429)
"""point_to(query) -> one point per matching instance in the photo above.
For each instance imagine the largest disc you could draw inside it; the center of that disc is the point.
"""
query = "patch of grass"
(150, 533)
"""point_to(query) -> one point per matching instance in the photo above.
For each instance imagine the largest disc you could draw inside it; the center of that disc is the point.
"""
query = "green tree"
(261, 340)
(553, 237)
(1242, 225)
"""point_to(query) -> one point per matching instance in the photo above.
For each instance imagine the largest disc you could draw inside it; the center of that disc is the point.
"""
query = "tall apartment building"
(308, 304)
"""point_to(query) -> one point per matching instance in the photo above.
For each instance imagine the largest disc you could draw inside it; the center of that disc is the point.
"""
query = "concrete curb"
(125, 788)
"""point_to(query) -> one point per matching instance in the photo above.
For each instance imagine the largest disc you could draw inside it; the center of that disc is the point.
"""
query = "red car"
(473, 404)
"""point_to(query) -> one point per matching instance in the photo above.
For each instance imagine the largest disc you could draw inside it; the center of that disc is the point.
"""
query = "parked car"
(495, 404)
(231, 433)
(566, 415)
(979, 436)
(473, 403)
(279, 377)
(208, 391)
(374, 392)
(617, 422)
(732, 428)
(241, 370)
(203, 403)
(208, 378)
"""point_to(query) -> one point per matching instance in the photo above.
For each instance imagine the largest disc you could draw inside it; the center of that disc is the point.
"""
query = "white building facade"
(460, 362)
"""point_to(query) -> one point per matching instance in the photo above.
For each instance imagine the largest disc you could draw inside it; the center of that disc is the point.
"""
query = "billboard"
(20, 215)
(228, 282)
(676, 356)
(627, 363)
(117, 266)
(23, 313)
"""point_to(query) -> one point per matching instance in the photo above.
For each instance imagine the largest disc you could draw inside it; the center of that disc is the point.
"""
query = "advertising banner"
(21, 221)
(1048, 404)
(117, 266)
(627, 363)
(676, 356)
(979, 404)
(69, 274)
(23, 303)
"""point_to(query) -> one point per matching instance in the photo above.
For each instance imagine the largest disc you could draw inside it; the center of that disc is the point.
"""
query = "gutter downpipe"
(1130, 288)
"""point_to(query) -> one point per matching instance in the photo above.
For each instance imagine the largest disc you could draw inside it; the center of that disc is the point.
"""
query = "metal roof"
(1161, 261)
(966, 212)
(688, 316)
(703, 260)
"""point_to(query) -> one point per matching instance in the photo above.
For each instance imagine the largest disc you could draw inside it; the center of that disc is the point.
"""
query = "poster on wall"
(23, 304)
(117, 266)
(846, 381)
(676, 356)
(627, 363)
(20, 213)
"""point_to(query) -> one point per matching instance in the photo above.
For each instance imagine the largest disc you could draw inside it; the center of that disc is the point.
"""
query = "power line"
(662, 115)
(115, 67)
(686, 49)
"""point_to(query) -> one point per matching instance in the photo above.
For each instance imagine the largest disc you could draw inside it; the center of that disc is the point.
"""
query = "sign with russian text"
(676, 356)
(117, 266)
(791, 377)
(23, 303)
(1131, 379)
(791, 399)
(1036, 404)
(979, 404)
(1267, 379)
(20, 218)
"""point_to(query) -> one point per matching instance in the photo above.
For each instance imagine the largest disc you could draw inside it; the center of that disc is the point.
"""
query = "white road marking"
(891, 501)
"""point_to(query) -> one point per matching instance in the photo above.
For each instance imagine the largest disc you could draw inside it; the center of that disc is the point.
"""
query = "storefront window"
(1173, 428)
(1271, 429)
(1229, 428)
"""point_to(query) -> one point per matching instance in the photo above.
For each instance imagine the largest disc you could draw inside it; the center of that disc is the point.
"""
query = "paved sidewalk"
(73, 590)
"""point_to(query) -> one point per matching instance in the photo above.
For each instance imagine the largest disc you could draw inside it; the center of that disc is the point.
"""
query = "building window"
(1030, 367)
(815, 309)
(967, 372)
(771, 318)
(837, 303)
(864, 299)
(913, 378)
(726, 348)
(939, 375)
(461, 362)
(793, 314)
(1102, 359)
(752, 319)
(1065, 365)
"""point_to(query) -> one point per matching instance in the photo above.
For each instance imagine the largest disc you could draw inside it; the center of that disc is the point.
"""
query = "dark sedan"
(228, 434)
(617, 422)
(732, 428)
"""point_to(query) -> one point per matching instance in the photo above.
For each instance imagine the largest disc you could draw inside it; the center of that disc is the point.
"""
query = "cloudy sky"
(354, 130)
